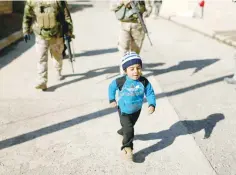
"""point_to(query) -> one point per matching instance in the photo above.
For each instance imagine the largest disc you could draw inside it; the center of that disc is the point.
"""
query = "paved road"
(71, 130)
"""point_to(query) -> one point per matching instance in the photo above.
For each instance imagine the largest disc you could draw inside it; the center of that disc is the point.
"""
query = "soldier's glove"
(26, 37)
(72, 36)
(67, 37)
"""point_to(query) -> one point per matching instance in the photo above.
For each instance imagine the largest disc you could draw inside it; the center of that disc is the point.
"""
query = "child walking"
(132, 87)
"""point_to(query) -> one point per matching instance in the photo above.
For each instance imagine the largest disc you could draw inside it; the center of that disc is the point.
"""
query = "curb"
(10, 39)
(219, 38)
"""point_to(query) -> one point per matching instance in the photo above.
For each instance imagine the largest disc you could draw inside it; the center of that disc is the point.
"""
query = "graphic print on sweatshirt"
(131, 97)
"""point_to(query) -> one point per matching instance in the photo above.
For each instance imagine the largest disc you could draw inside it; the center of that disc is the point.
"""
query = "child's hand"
(113, 104)
(151, 109)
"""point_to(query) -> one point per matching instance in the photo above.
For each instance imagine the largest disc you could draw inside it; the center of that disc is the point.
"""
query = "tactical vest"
(46, 14)
(127, 14)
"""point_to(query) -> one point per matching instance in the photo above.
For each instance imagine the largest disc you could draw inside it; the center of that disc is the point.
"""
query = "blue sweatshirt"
(131, 93)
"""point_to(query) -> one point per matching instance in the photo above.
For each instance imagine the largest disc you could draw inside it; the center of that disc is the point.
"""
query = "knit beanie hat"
(129, 59)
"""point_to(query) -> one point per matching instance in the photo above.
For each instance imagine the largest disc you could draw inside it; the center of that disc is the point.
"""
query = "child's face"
(134, 71)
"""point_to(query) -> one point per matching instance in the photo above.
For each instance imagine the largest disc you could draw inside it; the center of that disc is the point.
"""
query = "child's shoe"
(128, 153)
(59, 76)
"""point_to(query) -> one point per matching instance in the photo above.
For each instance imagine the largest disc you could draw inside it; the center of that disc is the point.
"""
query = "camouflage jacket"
(121, 9)
(32, 19)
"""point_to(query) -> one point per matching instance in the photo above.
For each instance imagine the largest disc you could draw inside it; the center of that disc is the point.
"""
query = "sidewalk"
(218, 21)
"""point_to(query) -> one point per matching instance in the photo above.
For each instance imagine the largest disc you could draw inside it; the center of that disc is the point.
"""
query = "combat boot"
(59, 76)
(128, 153)
(41, 86)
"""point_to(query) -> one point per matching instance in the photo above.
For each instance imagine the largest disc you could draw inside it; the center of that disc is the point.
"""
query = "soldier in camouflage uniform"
(44, 18)
(233, 79)
(156, 6)
(131, 32)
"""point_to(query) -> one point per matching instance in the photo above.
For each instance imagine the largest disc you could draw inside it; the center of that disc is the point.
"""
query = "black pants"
(127, 122)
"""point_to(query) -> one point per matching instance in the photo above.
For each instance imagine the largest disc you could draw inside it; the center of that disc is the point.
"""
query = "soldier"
(157, 6)
(131, 32)
(45, 19)
(233, 79)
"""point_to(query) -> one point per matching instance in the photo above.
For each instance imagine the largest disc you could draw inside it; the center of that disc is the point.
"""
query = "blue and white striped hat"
(129, 59)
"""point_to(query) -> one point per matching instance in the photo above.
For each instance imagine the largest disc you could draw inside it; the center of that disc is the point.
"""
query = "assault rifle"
(133, 6)
(67, 42)
(67, 38)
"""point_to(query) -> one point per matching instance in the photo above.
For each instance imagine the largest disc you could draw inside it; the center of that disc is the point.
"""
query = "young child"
(132, 88)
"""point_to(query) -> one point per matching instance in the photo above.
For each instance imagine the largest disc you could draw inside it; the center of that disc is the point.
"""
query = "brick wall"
(5, 7)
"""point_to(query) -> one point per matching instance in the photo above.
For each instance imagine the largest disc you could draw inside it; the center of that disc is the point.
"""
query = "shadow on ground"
(7, 55)
(167, 137)
(53, 128)
(96, 52)
(78, 7)
(197, 65)
(193, 87)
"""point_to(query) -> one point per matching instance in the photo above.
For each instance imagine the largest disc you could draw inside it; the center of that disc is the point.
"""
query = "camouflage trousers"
(156, 6)
(56, 47)
(130, 39)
